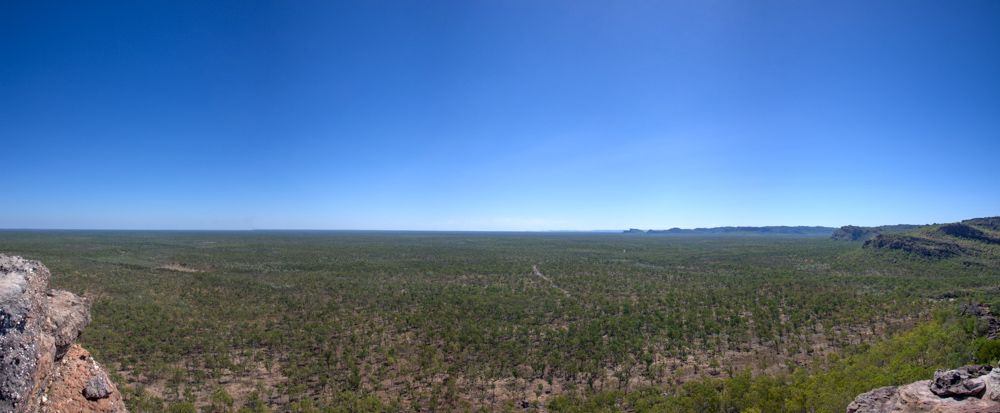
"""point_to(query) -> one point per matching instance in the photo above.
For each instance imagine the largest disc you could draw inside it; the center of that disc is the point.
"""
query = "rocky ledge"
(41, 369)
(964, 390)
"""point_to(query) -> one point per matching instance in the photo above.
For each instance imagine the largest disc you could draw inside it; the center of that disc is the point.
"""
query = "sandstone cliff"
(41, 369)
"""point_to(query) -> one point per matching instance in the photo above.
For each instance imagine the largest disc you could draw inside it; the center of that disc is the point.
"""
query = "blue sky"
(498, 115)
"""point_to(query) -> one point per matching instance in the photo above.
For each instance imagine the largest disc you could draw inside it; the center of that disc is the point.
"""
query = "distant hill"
(975, 239)
(854, 233)
(801, 231)
(992, 223)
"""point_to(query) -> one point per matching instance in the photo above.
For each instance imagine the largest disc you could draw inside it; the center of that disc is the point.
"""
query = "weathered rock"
(37, 331)
(875, 401)
(992, 381)
(26, 359)
(980, 386)
(960, 382)
(98, 387)
(68, 315)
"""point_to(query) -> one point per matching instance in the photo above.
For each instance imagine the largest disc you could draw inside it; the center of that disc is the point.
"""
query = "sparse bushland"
(827, 385)
(321, 321)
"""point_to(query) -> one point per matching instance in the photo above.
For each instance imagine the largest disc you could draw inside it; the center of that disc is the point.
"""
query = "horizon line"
(616, 230)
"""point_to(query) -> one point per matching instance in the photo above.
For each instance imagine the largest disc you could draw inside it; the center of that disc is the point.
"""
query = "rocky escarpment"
(991, 223)
(964, 390)
(974, 240)
(925, 247)
(41, 369)
(968, 232)
(856, 233)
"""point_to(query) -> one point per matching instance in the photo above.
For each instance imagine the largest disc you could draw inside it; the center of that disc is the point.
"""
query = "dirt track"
(538, 273)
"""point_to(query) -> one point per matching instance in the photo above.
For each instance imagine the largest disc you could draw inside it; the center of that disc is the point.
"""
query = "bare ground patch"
(177, 267)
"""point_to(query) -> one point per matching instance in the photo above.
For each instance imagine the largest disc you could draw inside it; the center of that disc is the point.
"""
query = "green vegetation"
(356, 321)
(974, 242)
(827, 386)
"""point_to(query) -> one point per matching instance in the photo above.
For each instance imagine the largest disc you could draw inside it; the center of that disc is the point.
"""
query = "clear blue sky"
(497, 115)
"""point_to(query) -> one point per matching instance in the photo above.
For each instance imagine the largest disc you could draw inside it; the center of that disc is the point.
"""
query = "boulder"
(960, 382)
(98, 387)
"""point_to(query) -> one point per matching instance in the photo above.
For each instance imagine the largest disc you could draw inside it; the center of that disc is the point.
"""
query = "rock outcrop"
(853, 233)
(985, 318)
(992, 223)
(41, 369)
(967, 232)
(964, 390)
(973, 240)
(924, 247)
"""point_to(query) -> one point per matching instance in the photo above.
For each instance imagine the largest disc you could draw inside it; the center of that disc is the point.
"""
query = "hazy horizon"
(513, 116)
(593, 230)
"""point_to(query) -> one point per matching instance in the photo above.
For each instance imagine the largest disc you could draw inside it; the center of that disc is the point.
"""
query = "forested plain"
(575, 322)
